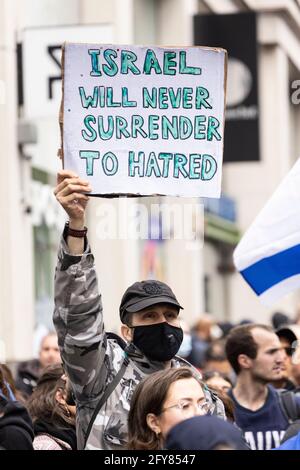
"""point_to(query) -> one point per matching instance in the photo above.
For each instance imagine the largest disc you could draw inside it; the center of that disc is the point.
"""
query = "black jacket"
(16, 430)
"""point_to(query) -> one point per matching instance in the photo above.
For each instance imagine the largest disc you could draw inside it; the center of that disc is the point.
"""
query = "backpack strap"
(108, 391)
(289, 405)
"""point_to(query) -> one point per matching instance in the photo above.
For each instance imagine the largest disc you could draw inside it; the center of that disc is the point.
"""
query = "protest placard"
(144, 120)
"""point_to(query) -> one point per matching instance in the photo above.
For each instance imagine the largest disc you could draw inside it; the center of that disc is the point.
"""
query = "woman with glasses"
(162, 400)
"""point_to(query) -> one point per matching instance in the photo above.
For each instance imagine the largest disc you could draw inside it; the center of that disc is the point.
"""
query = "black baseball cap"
(144, 294)
(289, 332)
(204, 433)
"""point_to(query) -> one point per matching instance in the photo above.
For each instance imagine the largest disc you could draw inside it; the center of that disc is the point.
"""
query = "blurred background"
(262, 141)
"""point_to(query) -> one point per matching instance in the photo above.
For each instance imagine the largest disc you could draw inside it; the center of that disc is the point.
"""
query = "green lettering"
(153, 126)
(105, 134)
(137, 123)
(152, 166)
(180, 161)
(127, 60)
(90, 156)
(175, 98)
(121, 127)
(111, 68)
(195, 163)
(162, 98)
(209, 167)
(110, 157)
(201, 98)
(136, 164)
(199, 127)
(185, 127)
(87, 101)
(169, 127)
(187, 97)
(125, 102)
(102, 96)
(166, 157)
(183, 68)
(88, 121)
(151, 62)
(149, 100)
(110, 98)
(169, 62)
(94, 53)
(212, 127)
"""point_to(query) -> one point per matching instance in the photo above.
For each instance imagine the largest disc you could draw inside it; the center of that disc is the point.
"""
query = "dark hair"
(149, 397)
(240, 341)
(3, 386)
(279, 320)
(127, 318)
(216, 351)
(42, 405)
(209, 374)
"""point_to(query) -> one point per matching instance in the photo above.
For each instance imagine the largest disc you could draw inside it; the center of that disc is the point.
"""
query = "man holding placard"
(103, 371)
(163, 139)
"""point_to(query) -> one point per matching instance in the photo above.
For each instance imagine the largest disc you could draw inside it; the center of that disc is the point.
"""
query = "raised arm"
(78, 307)
(70, 193)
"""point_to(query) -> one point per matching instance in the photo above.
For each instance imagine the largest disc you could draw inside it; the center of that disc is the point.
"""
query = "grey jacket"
(91, 360)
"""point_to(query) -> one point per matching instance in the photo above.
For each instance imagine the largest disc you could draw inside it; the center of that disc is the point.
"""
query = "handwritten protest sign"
(144, 120)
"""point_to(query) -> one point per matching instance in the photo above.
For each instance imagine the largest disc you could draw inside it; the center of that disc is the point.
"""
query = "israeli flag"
(268, 255)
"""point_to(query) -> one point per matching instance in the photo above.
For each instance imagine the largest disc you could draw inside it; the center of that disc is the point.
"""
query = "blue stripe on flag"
(270, 271)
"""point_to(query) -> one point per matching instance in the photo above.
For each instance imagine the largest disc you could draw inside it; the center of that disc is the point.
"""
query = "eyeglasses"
(187, 407)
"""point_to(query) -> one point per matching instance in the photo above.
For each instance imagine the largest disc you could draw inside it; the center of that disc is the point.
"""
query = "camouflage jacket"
(91, 360)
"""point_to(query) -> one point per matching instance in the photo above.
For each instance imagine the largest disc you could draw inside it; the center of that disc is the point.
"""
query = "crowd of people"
(157, 384)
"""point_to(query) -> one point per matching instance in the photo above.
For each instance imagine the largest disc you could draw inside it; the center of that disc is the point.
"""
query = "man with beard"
(255, 354)
(104, 371)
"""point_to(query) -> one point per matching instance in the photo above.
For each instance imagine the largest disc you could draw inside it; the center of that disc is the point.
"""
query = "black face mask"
(159, 342)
